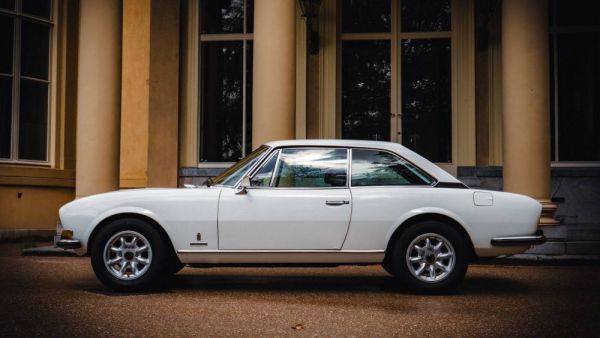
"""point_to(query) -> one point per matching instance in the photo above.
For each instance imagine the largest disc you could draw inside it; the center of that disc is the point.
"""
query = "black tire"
(175, 265)
(158, 268)
(448, 282)
(388, 267)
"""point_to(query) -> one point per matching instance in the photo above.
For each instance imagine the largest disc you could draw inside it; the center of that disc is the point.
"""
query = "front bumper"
(537, 238)
(65, 243)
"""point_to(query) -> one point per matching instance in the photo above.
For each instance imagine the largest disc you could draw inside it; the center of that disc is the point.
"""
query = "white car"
(299, 202)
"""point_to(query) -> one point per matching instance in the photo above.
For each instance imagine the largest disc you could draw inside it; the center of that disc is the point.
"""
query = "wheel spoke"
(427, 243)
(115, 249)
(114, 261)
(441, 266)
(444, 255)
(142, 260)
(416, 259)
(431, 271)
(438, 246)
(141, 249)
(420, 269)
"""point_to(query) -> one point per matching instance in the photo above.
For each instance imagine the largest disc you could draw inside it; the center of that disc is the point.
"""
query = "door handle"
(337, 202)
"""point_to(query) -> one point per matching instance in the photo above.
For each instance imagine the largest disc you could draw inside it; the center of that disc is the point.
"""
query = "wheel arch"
(429, 216)
(151, 221)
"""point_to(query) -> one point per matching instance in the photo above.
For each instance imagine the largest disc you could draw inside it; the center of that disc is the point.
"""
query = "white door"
(299, 200)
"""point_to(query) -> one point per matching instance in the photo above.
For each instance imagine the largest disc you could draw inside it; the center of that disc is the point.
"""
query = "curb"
(549, 260)
(48, 251)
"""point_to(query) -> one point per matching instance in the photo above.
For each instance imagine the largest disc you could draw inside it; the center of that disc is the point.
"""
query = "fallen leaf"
(298, 327)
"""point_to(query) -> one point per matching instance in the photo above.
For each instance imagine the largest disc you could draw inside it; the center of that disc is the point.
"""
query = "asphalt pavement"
(60, 296)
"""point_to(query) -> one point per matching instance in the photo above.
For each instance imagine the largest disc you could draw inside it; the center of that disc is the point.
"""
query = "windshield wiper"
(209, 181)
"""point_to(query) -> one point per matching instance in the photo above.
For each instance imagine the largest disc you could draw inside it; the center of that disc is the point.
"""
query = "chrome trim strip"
(282, 251)
(518, 240)
(281, 256)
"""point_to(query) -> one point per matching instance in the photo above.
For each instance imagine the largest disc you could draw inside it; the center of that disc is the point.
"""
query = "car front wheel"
(431, 257)
(130, 255)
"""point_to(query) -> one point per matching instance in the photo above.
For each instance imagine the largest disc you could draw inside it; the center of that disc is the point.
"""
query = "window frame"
(395, 36)
(434, 181)
(553, 30)
(243, 37)
(51, 118)
(254, 170)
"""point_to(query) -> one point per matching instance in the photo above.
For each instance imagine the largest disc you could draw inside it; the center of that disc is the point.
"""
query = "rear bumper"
(537, 238)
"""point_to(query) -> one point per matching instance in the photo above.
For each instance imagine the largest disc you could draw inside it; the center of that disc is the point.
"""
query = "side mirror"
(242, 188)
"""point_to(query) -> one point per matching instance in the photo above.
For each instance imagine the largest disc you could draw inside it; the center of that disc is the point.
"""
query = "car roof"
(440, 174)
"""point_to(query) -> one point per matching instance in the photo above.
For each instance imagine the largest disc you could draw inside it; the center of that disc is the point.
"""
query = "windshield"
(236, 171)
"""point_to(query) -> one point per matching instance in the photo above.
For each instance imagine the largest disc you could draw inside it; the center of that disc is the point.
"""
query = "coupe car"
(304, 202)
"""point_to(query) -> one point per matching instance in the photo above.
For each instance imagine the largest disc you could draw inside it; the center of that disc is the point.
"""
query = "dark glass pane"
(222, 16)
(41, 8)
(222, 101)
(366, 74)
(578, 13)
(380, 168)
(310, 168)
(249, 16)
(425, 16)
(362, 16)
(33, 120)
(35, 39)
(426, 98)
(263, 176)
(248, 97)
(5, 115)
(579, 96)
(6, 44)
(7, 4)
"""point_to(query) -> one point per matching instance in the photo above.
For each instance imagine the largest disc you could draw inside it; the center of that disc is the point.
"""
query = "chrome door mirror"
(242, 188)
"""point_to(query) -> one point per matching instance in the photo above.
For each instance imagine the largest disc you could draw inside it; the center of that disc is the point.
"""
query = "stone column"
(150, 94)
(526, 101)
(98, 97)
(274, 72)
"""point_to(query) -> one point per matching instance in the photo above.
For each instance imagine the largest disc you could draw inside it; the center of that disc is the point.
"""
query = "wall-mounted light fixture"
(310, 10)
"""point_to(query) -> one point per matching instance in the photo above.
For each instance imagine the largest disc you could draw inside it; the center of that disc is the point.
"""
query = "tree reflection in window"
(366, 74)
(381, 168)
(311, 168)
(426, 98)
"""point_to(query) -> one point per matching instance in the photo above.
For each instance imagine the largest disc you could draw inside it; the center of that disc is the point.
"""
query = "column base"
(548, 210)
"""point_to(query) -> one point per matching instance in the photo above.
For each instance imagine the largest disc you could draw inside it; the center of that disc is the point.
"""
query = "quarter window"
(381, 168)
(311, 168)
(263, 176)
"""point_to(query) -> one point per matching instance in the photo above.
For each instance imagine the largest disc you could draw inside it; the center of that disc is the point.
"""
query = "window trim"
(15, 76)
(433, 179)
(395, 36)
(243, 37)
(262, 161)
(554, 29)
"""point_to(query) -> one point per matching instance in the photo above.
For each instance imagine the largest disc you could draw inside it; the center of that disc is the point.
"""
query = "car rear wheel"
(430, 257)
(129, 254)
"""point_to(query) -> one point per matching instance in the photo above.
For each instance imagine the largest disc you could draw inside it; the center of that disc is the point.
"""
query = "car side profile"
(304, 202)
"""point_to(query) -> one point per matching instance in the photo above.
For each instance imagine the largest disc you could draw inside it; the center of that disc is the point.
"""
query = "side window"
(380, 168)
(262, 178)
(311, 168)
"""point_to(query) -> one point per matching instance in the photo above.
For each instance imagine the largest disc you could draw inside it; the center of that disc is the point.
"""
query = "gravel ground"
(58, 296)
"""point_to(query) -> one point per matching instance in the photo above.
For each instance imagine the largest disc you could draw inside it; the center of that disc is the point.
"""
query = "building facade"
(99, 95)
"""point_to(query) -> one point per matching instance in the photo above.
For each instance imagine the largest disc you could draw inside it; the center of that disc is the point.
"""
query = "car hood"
(134, 198)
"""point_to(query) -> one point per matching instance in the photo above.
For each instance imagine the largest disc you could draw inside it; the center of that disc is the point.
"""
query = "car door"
(298, 200)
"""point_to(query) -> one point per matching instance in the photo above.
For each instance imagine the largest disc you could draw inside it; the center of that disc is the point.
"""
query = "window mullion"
(16, 86)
